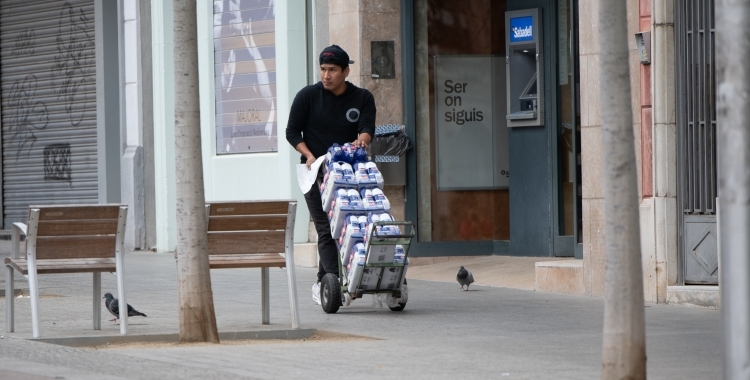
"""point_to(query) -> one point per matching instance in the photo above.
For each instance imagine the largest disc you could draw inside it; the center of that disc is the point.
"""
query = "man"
(330, 111)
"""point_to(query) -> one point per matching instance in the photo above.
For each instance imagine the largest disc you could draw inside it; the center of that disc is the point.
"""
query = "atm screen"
(521, 29)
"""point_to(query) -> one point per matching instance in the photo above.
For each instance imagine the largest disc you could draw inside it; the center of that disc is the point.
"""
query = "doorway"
(536, 211)
(696, 139)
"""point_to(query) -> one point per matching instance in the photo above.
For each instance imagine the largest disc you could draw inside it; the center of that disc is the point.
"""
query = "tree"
(733, 87)
(197, 317)
(624, 336)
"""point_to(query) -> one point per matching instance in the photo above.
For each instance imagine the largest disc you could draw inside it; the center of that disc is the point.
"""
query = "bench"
(68, 239)
(252, 234)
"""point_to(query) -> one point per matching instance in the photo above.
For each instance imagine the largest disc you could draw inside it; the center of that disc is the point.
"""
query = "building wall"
(664, 145)
(659, 172)
(592, 155)
(353, 25)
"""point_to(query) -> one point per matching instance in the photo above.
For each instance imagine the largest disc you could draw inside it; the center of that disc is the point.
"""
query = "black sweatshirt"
(319, 118)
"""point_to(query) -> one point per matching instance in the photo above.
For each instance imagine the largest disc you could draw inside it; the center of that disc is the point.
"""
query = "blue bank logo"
(522, 29)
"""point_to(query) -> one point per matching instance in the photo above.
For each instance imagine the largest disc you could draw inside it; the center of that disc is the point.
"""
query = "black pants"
(327, 248)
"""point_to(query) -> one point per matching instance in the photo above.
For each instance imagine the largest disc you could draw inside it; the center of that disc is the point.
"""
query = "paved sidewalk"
(444, 333)
(503, 271)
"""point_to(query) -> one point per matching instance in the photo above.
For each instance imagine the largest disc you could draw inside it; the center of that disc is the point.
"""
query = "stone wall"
(353, 25)
(592, 156)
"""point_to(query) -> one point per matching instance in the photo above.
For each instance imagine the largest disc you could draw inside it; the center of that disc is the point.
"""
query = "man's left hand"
(362, 140)
(360, 143)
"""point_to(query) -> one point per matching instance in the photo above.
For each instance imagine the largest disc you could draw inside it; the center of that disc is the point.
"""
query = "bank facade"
(496, 184)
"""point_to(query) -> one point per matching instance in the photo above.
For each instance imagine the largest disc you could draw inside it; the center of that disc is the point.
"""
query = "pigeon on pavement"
(464, 277)
(113, 305)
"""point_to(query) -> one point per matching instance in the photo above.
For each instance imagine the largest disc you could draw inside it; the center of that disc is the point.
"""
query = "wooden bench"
(252, 234)
(68, 239)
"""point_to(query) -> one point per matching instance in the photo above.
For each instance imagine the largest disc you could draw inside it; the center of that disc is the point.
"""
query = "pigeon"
(464, 277)
(113, 306)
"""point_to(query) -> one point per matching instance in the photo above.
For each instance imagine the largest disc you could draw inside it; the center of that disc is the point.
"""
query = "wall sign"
(245, 76)
(521, 29)
(471, 131)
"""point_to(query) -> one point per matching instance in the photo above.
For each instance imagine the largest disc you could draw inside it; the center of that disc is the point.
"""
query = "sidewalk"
(444, 333)
(499, 271)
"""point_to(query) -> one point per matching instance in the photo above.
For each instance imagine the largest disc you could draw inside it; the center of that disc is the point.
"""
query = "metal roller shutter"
(48, 92)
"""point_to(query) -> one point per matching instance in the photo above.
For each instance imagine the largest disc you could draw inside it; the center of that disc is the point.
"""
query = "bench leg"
(9, 294)
(34, 298)
(122, 301)
(265, 303)
(291, 279)
(97, 317)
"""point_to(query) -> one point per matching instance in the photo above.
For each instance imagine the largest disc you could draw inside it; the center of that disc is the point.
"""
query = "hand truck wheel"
(330, 293)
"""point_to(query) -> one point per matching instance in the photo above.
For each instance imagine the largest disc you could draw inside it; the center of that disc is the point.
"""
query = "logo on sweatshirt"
(352, 115)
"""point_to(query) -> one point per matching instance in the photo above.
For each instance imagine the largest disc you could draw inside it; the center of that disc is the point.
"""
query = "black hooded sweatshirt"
(319, 118)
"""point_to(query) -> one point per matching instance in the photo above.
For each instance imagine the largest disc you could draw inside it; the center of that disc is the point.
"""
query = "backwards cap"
(336, 55)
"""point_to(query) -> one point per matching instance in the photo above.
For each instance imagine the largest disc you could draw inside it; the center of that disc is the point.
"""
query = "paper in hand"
(306, 178)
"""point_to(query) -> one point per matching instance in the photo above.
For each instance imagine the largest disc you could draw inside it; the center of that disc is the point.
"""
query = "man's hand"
(302, 148)
(363, 140)
(310, 160)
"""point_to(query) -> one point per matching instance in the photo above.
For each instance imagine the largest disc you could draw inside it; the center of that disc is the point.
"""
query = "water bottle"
(373, 218)
(399, 254)
(368, 199)
(336, 170)
(360, 253)
(354, 200)
(342, 197)
(361, 172)
(380, 199)
(360, 155)
(373, 172)
(336, 153)
(348, 150)
(353, 222)
(389, 230)
(362, 223)
(348, 173)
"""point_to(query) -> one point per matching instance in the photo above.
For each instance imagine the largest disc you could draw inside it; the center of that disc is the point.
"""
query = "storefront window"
(245, 70)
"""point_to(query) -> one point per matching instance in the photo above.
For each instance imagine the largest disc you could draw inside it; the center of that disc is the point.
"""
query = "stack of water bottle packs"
(353, 198)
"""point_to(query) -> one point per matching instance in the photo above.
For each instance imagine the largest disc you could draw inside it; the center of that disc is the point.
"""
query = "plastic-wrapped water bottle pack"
(353, 197)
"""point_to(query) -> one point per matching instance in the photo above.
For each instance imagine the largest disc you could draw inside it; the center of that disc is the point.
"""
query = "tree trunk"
(624, 336)
(733, 58)
(197, 318)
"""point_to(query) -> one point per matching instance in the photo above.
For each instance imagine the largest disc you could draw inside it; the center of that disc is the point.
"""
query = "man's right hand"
(310, 160)
(302, 148)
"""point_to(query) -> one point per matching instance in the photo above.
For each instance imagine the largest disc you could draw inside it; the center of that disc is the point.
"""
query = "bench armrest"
(15, 248)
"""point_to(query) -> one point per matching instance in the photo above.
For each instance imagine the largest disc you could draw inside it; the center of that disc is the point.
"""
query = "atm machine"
(524, 68)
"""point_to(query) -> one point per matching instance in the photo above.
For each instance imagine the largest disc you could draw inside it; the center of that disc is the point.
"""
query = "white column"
(291, 76)
(131, 166)
(164, 165)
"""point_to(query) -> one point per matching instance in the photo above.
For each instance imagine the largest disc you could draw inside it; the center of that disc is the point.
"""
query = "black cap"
(336, 55)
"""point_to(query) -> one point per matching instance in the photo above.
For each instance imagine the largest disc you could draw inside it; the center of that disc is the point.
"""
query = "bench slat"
(64, 266)
(220, 243)
(247, 223)
(247, 261)
(68, 212)
(249, 208)
(73, 247)
(77, 227)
